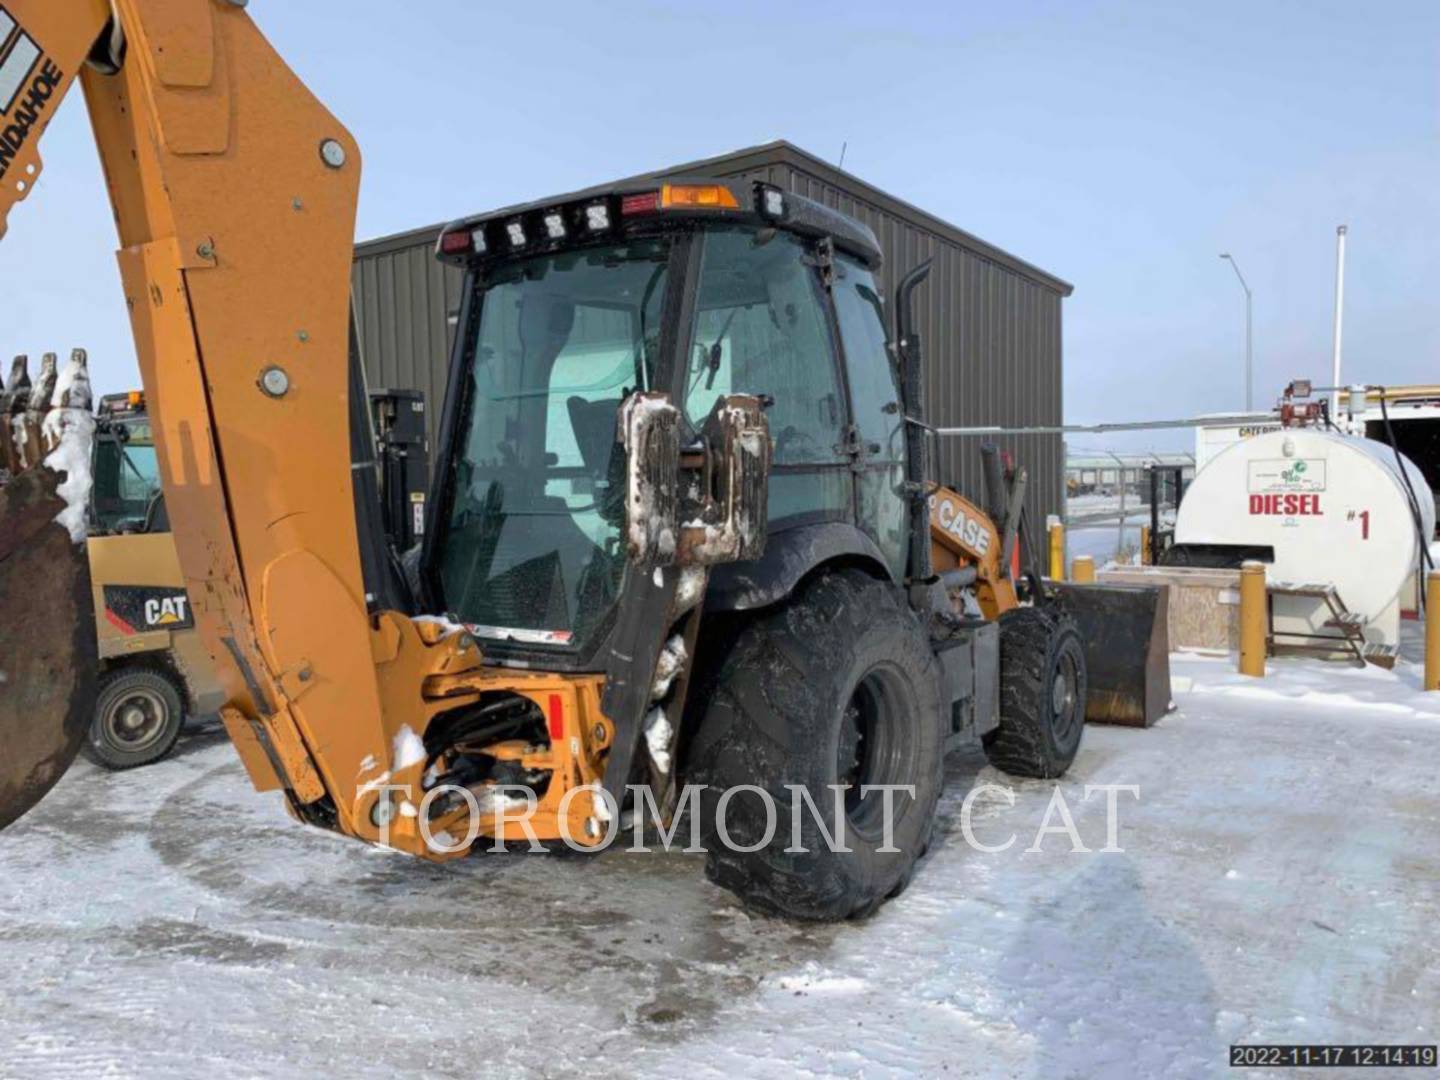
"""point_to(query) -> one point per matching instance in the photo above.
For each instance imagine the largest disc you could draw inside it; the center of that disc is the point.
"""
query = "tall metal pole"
(1340, 231)
(1249, 333)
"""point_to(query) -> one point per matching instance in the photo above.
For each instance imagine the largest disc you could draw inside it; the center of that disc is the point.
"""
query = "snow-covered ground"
(1279, 882)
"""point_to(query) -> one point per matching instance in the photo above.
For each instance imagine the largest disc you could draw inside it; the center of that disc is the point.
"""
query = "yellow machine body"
(141, 608)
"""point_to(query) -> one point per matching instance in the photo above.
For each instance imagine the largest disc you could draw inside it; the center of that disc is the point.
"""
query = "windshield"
(533, 546)
(127, 476)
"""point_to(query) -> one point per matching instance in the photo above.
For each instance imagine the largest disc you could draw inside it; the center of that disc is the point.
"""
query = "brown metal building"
(991, 322)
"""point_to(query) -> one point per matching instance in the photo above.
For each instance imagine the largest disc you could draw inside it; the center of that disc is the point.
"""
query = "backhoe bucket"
(1127, 650)
(47, 643)
(48, 662)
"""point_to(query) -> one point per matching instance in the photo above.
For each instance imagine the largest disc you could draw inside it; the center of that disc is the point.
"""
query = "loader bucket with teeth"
(48, 661)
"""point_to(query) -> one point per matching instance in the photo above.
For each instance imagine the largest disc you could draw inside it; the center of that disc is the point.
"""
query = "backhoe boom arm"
(234, 193)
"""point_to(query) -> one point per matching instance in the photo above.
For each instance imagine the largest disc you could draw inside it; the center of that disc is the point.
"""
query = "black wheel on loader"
(138, 716)
(1042, 695)
(838, 686)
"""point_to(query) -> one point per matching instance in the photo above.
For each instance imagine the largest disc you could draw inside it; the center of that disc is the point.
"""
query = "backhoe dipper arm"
(234, 193)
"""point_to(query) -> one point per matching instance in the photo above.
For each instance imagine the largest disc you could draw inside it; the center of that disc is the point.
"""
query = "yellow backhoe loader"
(680, 525)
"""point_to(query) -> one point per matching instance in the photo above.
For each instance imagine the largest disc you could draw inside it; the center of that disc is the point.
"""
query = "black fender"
(790, 555)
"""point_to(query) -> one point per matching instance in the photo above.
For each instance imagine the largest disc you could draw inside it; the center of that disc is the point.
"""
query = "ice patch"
(70, 429)
(73, 432)
(671, 663)
(690, 588)
(600, 802)
(409, 749)
(448, 625)
(373, 785)
(657, 738)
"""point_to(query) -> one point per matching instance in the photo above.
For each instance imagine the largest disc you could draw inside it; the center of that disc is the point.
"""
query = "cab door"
(878, 436)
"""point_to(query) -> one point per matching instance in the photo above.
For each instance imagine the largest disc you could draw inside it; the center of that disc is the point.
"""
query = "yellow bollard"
(1432, 630)
(1253, 617)
(1057, 550)
(1082, 570)
(1144, 545)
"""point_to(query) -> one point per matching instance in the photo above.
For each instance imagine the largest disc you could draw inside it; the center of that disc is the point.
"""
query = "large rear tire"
(1042, 695)
(838, 686)
(138, 716)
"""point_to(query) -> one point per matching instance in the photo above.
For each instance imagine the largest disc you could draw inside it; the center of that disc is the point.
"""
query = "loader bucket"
(48, 662)
(1127, 650)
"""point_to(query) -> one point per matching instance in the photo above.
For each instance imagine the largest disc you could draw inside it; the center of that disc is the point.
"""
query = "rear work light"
(647, 203)
(463, 242)
(698, 197)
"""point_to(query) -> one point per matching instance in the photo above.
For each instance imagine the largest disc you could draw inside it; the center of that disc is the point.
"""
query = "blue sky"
(1121, 146)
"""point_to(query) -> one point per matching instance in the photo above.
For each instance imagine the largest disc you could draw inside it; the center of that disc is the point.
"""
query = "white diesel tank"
(1334, 509)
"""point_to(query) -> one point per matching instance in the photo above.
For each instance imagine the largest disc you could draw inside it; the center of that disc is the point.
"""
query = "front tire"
(836, 687)
(138, 716)
(1042, 695)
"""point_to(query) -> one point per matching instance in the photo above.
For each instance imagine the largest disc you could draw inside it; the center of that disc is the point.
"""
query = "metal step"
(1348, 621)
(1316, 590)
(1381, 655)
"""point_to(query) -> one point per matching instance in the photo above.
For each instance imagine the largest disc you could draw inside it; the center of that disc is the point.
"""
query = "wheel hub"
(137, 720)
(1064, 693)
(876, 748)
(1061, 694)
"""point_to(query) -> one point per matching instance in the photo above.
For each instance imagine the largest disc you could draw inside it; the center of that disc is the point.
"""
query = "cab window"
(761, 328)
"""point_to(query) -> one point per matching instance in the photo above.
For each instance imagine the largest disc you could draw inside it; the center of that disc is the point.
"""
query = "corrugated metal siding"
(403, 302)
(990, 324)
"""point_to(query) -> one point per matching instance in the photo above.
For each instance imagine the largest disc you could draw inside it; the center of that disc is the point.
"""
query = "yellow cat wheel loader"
(154, 671)
(680, 528)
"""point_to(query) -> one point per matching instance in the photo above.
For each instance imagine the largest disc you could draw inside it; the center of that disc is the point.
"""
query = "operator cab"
(126, 497)
(699, 289)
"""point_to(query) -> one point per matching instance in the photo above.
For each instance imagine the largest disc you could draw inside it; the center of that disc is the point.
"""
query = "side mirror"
(650, 432)
(732, 521)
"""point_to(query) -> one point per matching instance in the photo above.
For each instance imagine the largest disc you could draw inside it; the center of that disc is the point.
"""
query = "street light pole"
(1249, 339)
